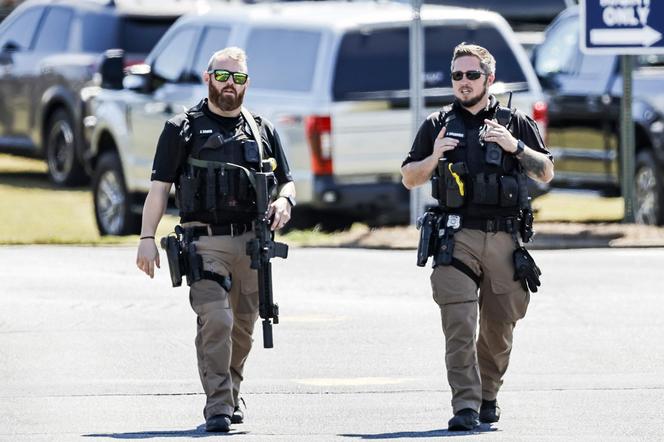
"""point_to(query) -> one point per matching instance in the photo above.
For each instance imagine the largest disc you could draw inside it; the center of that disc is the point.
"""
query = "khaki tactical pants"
(476, 364)
(225, 320)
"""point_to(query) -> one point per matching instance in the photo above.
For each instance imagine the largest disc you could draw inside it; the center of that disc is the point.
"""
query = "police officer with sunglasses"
(477, 155)
(210, 152)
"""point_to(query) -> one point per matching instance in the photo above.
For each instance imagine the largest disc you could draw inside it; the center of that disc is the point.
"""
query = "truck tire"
(112, 202)
(64, 167)
(648, 190)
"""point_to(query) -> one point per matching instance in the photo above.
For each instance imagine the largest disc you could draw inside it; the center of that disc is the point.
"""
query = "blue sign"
(622, 26)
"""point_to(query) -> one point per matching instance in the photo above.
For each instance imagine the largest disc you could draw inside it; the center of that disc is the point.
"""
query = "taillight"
(129, 62)
(319, 134)
(541, 117)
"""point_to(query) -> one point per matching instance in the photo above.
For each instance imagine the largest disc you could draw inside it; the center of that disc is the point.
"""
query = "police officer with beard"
(477, 155)
(210, 152)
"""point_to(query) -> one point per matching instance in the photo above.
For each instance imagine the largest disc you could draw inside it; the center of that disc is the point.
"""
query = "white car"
(334, 79)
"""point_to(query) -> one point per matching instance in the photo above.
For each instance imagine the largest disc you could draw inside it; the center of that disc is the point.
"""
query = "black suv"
(584, 93)
(49, 50)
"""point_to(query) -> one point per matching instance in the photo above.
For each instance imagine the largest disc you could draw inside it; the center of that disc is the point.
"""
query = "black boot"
(489, 412)
(463, 420)
(221, 423)
(238, 413)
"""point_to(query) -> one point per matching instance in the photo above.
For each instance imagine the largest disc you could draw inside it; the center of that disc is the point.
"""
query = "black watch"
(520, 147)
(290, 200)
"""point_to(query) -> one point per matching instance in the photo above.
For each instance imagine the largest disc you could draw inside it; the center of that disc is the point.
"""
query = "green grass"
(577, 207)
(33, 211)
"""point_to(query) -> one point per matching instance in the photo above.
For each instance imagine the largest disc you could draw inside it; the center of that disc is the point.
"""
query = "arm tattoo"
(533, 164)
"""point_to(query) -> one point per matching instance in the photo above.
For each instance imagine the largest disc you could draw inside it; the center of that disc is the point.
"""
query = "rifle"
(263, 248)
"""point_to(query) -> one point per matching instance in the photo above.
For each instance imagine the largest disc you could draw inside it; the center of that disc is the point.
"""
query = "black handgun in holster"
(427, 224)
(171, 245)
(448, 225)
(182, 257)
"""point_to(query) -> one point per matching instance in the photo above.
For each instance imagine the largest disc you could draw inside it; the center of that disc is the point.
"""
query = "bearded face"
(226, 97)
(470, 92)
(470, 99)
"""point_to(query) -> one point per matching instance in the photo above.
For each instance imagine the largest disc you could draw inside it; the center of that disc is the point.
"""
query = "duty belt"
(500, 224)
(233, 229)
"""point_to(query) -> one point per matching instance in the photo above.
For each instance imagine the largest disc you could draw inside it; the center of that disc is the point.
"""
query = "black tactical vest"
(216, 183)
(490, 190)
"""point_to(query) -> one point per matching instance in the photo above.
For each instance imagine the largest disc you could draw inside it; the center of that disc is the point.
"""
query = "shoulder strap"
(254, 130)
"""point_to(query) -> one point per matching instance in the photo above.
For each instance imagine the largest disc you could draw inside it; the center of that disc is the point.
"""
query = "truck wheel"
(648, 190)
(64, 167)
(111, 200)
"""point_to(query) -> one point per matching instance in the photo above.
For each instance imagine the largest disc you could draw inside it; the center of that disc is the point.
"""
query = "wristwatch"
(290, 200)
(520, 147)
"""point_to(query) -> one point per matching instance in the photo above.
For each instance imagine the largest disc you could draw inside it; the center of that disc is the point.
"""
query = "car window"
(140, 35)
(282, 59)
(169, 64)
(22, 29)
(134, 35)
(376, 62)
(214, 39)
(559, 53)
(441, 40)
(54, 31)
(98, 32)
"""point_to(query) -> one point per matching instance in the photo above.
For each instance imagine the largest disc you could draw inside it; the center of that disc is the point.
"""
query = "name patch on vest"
(205, 131)
(455, 134)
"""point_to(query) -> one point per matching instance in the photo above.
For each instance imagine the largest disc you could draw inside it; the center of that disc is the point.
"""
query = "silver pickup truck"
(334, 79)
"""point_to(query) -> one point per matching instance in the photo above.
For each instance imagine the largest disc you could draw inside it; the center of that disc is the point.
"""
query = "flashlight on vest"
(269, 165)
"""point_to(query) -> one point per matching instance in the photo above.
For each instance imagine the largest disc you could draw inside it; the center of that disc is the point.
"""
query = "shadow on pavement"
(193, 433)
(483, 428)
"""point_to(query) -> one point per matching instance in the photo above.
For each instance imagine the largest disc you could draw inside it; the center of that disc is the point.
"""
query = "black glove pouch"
(525, 270)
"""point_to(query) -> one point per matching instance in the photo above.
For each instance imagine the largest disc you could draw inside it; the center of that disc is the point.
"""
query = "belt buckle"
(490, 225)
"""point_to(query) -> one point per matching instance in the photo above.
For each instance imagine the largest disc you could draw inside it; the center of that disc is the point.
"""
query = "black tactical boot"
(238, 413)
(464, 420)
(221, 423)
(489, 412)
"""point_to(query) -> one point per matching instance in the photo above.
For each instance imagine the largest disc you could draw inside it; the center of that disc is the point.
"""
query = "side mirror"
(10, 46)
(111, 69)
(6, 53)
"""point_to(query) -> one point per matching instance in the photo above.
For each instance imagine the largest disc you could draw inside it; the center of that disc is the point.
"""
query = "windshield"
(376, 62)
(133, 34)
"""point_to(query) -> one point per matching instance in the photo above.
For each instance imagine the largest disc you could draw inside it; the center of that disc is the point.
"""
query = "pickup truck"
(333, 77)
(583, 95)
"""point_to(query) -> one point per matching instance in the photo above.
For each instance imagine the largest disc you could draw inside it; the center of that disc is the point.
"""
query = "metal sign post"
(627, 139)
(623, 28)
(416, 98)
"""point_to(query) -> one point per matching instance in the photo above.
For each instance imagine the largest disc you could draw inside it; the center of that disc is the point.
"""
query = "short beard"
(473, 101)
(224, 102)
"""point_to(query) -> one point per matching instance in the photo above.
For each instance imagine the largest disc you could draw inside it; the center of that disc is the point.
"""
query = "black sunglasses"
(223, 75)
(471, 75)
